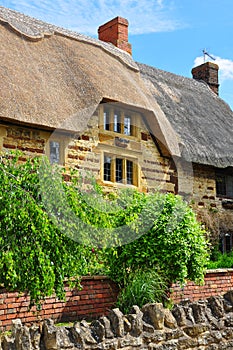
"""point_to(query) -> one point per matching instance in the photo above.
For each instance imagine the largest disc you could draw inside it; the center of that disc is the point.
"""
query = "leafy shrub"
(51, 230)
(219, 260)
(142, 287)
(174, 243)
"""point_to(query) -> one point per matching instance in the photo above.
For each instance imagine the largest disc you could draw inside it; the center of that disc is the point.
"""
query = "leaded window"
(120, 170)
(54, 152)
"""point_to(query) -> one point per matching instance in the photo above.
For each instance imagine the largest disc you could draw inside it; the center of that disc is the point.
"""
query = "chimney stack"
(207, 72)
(116, 32)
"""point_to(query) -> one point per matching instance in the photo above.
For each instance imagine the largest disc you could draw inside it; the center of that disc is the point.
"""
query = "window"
(120, 170)
(119, 121)
(127, 125)
(54, 152)
(129, 172)
(224, 185)
(107, 168)
(106, 120)
(226, 242)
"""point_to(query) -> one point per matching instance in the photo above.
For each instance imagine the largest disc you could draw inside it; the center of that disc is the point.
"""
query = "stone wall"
(203, 325)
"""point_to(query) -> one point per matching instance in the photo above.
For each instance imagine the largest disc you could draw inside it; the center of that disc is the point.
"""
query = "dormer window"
(119, 120)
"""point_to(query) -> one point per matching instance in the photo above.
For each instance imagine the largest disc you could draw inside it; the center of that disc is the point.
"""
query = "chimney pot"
(116, 32)
(207, 72)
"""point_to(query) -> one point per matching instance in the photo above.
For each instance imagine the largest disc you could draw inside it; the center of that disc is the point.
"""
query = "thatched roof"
(54, 78)
(203, 121)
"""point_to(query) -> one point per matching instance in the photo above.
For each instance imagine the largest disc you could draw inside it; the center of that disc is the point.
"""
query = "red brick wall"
(217, 282)
(95, 299)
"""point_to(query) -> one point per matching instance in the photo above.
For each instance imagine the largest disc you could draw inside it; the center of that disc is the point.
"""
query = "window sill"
(117, 184)
(114, 134)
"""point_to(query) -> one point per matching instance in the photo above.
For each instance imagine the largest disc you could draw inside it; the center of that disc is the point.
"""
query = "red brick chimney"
(207, 72)
(116, 32)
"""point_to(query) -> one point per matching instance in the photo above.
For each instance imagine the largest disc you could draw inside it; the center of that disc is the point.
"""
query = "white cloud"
(225, 67)
(145, 16)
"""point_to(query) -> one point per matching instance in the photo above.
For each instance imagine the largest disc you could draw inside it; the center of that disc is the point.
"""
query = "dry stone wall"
(202, 325)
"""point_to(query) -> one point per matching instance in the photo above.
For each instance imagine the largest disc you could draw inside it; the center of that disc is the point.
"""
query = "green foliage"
(35, 256)
(219, 260)
(51, 230)
(142, 287)
(174, 243)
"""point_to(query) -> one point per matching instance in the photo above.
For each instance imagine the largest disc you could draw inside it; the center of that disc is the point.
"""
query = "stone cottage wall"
(210, 208)
(84, 152)
(203, 325)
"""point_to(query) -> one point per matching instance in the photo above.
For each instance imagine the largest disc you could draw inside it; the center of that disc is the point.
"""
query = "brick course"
(97, 297)
(217, 282)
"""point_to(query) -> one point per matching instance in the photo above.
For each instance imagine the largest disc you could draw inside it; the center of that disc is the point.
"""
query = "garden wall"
(203, 325)
(96, 299)
(217, 282)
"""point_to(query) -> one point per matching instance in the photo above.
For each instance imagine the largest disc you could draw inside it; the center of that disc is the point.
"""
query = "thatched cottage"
(87, 104)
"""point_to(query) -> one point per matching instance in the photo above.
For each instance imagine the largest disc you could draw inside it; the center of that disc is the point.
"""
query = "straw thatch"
(54, 78)
(203, 121)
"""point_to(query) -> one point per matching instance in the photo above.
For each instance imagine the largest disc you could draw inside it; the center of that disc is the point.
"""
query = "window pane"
(127, 125)
(107, 168)
(129, 172)
(119, 170)
(117, 122)
(228, 242)
(106, 120)
(229, 186)
(221, 185)
(54, 152)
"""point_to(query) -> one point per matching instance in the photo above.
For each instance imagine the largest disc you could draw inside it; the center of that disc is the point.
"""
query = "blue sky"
(167, 34)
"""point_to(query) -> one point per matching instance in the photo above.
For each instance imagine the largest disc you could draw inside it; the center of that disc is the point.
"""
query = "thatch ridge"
(35, 29)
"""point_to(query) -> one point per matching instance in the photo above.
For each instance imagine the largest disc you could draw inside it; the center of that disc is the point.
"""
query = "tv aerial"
(205, 53)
